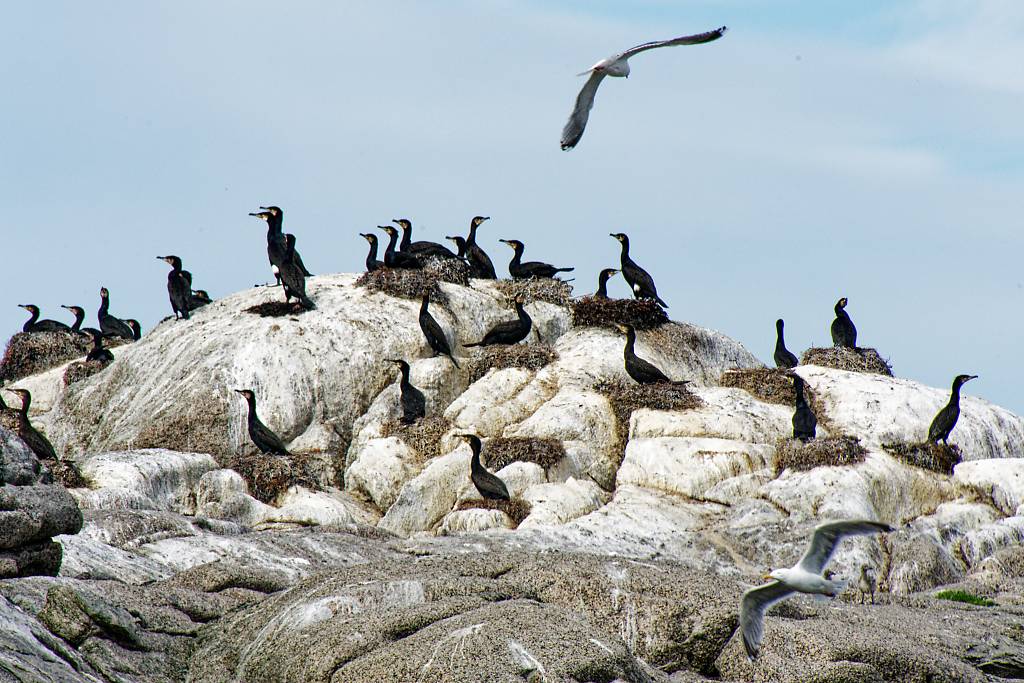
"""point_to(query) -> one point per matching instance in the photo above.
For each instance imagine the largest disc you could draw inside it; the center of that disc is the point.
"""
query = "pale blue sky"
(869, 149)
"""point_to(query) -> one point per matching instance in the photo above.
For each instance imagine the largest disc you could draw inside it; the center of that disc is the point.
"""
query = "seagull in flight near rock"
(617, 65)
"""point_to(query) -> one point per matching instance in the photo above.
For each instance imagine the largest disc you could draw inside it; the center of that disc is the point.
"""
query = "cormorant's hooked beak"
(508, 242)
(25, 306)
(239, 391)
(970, 377)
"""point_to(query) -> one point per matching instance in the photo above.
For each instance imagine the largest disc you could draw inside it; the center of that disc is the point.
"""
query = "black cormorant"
(179, 287)
(136, 328)
(414, 403)
(639, 280)
(277, 244)
(433, 332)
(639, 369)
(283, 257)
(524, 271)
(79, 317)
(480, 265)
(460, 244)
(372, 263)
(784, 358)
(289, 240)
(397, 259)
(109, 325)
(198, 299)
(32, 437)
(34, 324)
(489, 485)
(844, 333)
(97, 353)
(265, 440)
(602, 282)
(804, 423)
(510, 331)
(944, 422)
(421, 249)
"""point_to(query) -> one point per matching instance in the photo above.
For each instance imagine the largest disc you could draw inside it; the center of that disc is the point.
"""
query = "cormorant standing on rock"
(34, 324)
(265, 440)
(480, 265)
(946, 419)
(524, 271)
(277, 244)
(844, 333)
(372, 263)
(460, 244)
(79, 317)
(109, 325)
(510, 331)
(488, 485)
(414, 403)
(420, 249)
(97, 353)
(602, 282)
(433, 332)
(397, 259)
(135, 327)
(639, 369)
(784, 358)
(283, 257)
(179, 287)
(32, 437)
(198, 299)
(804, 423)
(640, 281)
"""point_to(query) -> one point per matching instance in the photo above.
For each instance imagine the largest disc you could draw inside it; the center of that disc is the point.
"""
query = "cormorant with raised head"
(524, 271)
(602, 282)
(844, 333)
(265, 440)
(372, 263)
(488, 485)
(289, 240)
(414, 403)
(509, 331)
(420, 249)
(97, 352)
(79, 317)
(784, 358)
(277, 244)
(460, 244)
(34, 324)
(198, 299)
(397, 259)
(109, 325)
(946, 419)
(179, 287)
(433, 332)
(639, 369)
(135, 327)
(804, 423)
(480, 265)
(639, 280)
(282, 257)
(32, 437)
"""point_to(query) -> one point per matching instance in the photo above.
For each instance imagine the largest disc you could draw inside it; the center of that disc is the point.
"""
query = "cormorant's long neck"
(475, 460)
(251, 400)
(630, 342)
(625, 250)
(471, 239)
(424, 306)
(954, 396)
(104, 306)
(406, 238)
(389, 252)
(780, 340)
(32, 320)
(799, 387)
(602, 287)
(524, 317)
(405, 376)
(79, 319)
(26, 401)
(517, 258)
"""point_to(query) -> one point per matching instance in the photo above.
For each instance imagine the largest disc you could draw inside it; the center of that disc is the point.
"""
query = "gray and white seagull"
(618, 66)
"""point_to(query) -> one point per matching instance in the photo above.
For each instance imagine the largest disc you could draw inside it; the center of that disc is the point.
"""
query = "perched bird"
(79, 317)
(265, 440)
(867, 584)
(414, 403)
(489, 485)
(639, 280)
(277, 244)
(945, 420)
(97, 352)
(480, 265)
(135, 327)
(804, 577)
(640, 370)
(421, 249)
(433, 332)
(509, 331)
(34, 324)
(179, 287)
(844, 333)
(617, 66)
(524, 271)
(397, 259)
(289, 240)
(805, 424)
(32, 437)
(784, 358)
(282, 255)
(109, 325)
(198, 299)
(460, 244)
(372, 263)
(602, 282)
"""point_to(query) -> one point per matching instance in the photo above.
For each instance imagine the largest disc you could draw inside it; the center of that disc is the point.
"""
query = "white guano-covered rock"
(426, 498)
(151, 479)
(560, 503)
(379, 470)
(1000, 480)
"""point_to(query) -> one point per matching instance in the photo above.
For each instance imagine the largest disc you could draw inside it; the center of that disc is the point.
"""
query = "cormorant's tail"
(307, 303)
(466, 346)
(452, 359)
(680, 382)
(564, 270)
(660, 302)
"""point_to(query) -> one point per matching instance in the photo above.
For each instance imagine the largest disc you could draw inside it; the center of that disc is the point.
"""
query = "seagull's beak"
(768, 577)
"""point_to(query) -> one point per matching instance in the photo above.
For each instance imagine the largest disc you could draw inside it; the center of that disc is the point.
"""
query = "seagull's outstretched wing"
(577, 122)
(754, 603)
(827, 536)
(705, 37)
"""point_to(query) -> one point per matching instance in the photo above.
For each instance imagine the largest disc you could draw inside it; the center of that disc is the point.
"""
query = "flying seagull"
(804, 577)
(617, 65)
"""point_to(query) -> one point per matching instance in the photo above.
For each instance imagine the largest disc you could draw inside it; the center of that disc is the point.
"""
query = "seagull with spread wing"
(804, 577)
(618, 66)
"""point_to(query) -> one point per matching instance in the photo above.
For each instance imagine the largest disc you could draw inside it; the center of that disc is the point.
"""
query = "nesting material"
(535, 289)
(406, 283)
(423, 436)
(936, 457)
(67, 474)
(517, 509)
(501, 451)
(276, 309)
(29, 353)
(796, 455)
(840, 358)
(771, 385)
(82, 369)
(627, 396)
(642, 314)
(268, 476)
(501, 356)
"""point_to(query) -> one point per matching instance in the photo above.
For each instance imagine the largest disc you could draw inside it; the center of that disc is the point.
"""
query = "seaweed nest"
(642, 314)
(268, 476)
(854, 360)
(547, 289)
(516, 508)
(83, 369)
(501, 356)
(771, 385)
(67, 474)
(9, 418)
(627, 396)
(501, 451)
(30, 352)
(936, 457)
(801, 456)
(407, 283)
(424, 436)
(276, 309)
